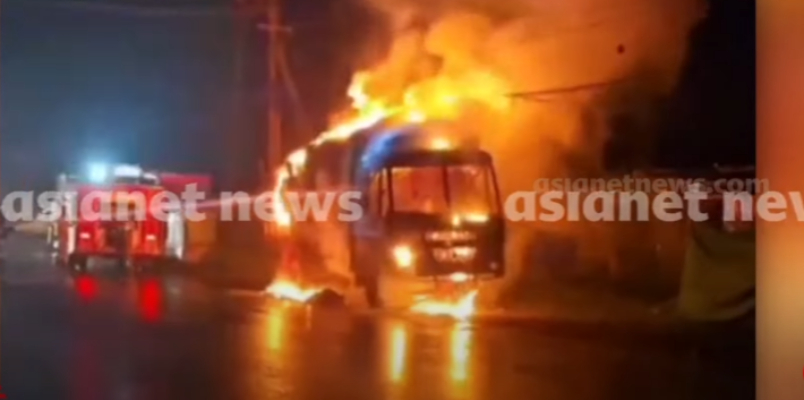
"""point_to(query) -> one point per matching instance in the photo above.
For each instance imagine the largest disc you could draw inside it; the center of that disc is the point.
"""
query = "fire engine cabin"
(430, 202)
(109, 218)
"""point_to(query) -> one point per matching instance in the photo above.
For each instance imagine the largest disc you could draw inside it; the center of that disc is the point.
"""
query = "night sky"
(156, 84)
(81, 84)
(88, 80)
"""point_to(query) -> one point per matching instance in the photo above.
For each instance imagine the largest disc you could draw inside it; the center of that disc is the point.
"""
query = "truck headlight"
(404, 256)
(477, 218)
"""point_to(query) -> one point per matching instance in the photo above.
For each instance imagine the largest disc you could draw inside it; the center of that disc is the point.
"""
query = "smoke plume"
(488, 48)
(591, 74)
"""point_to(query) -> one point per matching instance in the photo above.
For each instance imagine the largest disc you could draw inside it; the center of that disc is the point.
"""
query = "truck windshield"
(444, 189)
(123, 210)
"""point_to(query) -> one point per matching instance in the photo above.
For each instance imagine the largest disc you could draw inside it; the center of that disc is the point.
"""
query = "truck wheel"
(127, 265)
(135, 266)
(146, 266)
(371, 286)
(368, 279)
(77, 263)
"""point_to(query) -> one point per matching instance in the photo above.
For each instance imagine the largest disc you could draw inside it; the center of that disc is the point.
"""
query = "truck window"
(419, 190)
(466, 189)
(471, 189)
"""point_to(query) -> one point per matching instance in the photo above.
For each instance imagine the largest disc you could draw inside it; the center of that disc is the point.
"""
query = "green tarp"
(718, 282)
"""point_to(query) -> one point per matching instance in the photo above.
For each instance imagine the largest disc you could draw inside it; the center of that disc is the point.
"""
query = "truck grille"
(116, 237)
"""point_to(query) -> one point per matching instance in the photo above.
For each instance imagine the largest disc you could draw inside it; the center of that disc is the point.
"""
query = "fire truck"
(431, 212)
(113, 213)
(189, 241)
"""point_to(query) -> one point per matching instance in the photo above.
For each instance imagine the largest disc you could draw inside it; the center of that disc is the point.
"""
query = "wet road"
(171, 337)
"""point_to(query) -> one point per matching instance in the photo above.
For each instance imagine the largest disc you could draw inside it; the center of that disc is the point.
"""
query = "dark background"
(181, 85)
(712, 117)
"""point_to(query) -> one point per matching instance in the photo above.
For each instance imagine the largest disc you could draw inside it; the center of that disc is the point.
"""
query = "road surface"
(111, 336)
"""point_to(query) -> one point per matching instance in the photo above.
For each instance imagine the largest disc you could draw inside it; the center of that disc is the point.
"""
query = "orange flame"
(436, 98)
(461, 309)
(441, 97)
(368, 113)
(285, 289)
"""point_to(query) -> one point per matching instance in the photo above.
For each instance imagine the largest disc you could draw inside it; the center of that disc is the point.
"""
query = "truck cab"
(430, 206)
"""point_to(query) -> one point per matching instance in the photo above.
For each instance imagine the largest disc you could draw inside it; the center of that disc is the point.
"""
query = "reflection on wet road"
(109, 337)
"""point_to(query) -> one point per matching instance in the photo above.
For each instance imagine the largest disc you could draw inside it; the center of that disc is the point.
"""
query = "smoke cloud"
(595, 70)
(528, 46)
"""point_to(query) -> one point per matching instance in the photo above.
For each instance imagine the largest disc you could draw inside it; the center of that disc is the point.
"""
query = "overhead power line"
(548, 94)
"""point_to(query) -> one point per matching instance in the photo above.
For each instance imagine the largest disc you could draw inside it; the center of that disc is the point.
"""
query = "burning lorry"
(431, 221)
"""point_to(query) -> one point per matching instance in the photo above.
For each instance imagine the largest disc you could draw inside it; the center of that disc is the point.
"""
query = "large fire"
(448, 62)
(440, 97)
(459, 307)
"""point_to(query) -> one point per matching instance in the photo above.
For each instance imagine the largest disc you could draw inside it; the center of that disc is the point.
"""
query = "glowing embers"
(455, 302)
(285, 289)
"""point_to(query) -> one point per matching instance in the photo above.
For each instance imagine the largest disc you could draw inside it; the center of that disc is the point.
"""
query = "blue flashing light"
(98, 173)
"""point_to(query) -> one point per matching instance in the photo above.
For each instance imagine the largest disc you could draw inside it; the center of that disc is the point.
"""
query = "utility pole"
(280, 79)
(275, 53)
(235, 178)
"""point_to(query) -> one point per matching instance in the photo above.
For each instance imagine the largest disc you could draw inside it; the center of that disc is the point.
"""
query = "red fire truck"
(108, 217)
(112, 213)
